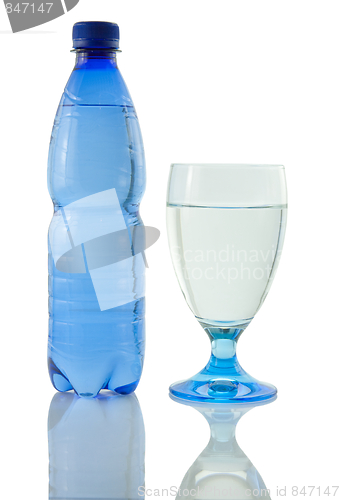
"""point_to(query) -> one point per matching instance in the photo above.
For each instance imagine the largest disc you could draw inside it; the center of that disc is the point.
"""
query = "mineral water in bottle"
(96, 179)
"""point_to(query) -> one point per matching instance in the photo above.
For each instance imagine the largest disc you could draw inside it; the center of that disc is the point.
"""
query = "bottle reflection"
(96, 447)
(222, 470)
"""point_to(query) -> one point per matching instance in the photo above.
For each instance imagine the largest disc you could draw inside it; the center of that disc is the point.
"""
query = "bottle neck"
(95, 58)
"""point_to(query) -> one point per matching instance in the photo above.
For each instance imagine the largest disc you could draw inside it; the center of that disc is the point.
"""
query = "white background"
(221, 81)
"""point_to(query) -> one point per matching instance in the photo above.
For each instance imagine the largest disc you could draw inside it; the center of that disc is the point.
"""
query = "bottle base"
(61, 383)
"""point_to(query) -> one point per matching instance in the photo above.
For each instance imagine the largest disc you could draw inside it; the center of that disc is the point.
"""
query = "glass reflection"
(222, 470)
(96, 447)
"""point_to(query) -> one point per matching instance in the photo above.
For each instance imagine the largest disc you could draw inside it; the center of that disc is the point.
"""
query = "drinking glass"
(226, 226)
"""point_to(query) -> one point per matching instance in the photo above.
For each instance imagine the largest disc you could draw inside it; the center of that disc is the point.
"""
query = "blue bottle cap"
(95, 35)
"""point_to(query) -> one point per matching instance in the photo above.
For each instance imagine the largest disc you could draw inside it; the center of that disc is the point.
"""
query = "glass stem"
(223, 359)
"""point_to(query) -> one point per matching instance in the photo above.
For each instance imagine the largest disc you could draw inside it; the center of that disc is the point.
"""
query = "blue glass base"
(223, 390)
(223, 380)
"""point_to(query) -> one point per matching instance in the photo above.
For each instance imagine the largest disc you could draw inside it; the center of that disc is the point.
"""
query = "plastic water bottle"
(96, 179)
